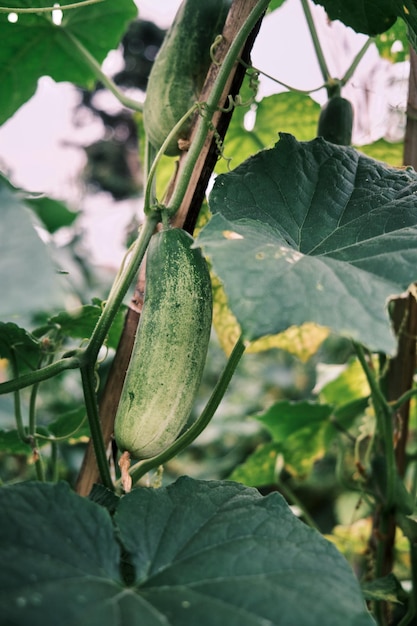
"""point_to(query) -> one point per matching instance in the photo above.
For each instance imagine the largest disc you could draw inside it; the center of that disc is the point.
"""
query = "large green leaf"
(364, 16)
(313, 232)
(373, 17)
(28, 278)
(60, 559)
(214, 553)
(34, 46)
(205, 553)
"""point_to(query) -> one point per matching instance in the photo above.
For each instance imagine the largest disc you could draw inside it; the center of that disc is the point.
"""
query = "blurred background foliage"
(319, 472)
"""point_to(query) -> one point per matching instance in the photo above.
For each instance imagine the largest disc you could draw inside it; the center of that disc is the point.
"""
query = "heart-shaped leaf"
(35, 46)
(196, 552)
(313, 232)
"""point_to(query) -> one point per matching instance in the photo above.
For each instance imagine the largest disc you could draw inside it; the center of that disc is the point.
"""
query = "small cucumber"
(170, 348)
(336, 121)
(180, 68)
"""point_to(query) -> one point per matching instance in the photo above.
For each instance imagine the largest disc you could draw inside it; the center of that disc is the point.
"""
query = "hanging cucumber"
(180, 68)
(336, 121)
(170, 347)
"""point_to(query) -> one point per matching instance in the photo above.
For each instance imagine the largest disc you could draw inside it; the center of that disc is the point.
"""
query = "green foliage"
(194, 563)
(35, 46)
(362, 15)
(304, 237)
(80, 323)
(311, 224)
(52, 213)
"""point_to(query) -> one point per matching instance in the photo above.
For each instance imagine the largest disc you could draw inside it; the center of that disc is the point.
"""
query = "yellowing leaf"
(302, 341)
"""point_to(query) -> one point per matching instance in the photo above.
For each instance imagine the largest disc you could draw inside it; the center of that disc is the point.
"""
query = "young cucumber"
(170, 347)
(180, 68)
(336, 121)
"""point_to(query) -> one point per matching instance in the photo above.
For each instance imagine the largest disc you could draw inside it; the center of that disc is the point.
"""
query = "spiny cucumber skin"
(180, 68)
(336, 121)
(170, 347)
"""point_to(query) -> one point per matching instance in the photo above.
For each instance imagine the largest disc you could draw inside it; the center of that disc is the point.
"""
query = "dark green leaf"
(387, 589)
(313, 232)
(72, 425)
(60, 558)
(373, 17)
(81, 322)
(101, 495)
(364, 16)
(205, 553)
(16, 343)
(53, 213)
(275, 4)
(34, 46)
(214, 553)
(11, 443)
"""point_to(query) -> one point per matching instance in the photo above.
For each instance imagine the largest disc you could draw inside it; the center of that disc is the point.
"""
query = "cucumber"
(180, 68)
(170, 348)
(336, 121)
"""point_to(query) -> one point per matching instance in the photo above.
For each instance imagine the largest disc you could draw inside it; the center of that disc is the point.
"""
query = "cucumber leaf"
(313, 232)
(301, 429)
(194, 552)
(80, 323)
(35, 46)
(29, 280)
(219, 553)
(365, 16)
(373, 17)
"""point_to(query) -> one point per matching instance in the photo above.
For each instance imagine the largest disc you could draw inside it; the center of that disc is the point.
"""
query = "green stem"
(316, 41)
(21, 431)
(101, 76)
(291, 498)
(90, 398)
(406, 396)
(200, 424)
(117, 294)
(149, 195)
(383, 413)
(26, 380)
(74, 5)
(40, 470)
(54, 462)
(32, 409)
(305, 92)
(212, 104)
(358, 58)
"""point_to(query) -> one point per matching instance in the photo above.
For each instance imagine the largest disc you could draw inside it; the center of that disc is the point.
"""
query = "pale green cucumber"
(180, 68)
(170, 347)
